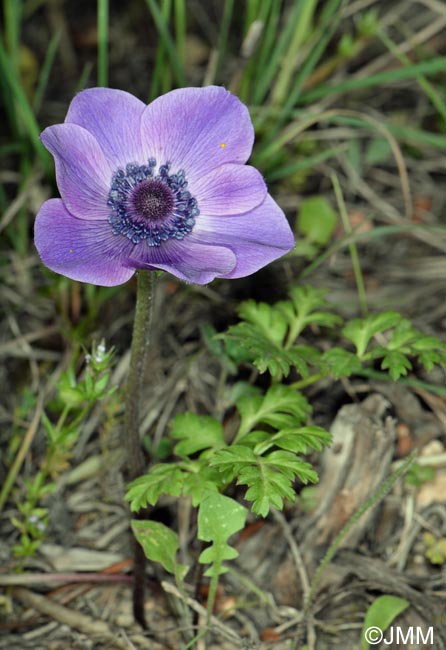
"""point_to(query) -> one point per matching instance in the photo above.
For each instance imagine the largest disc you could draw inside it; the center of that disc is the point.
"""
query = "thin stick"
(21, 455)
(352, 246)
(93, 628)
(28, 579)
(131, 438)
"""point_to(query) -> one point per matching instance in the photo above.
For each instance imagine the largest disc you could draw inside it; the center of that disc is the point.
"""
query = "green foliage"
(260, 338)
(381, 614)
(267, 337)
(196, 433)
(402, 342)
(317, 220)
(360, 331)
(269, 332)
(219, 517)
(435, 548)
(93, 386)
(269, 477)
(75, 397)
(281, 407)
(263, 455)
(419, 474)
(165, 478)
(273, 433)
(340, 362)
(160, 544)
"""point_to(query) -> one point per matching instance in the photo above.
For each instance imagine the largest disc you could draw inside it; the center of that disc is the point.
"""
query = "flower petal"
(81, 250)
(188, 260)
(229, 189)
(197, 129)
(113, 117)
(82, 171)
(256, 238)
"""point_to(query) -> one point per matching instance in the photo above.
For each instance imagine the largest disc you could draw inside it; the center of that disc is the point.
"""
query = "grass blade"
(301, 165)
(428, 88)
(166, 39)
(103, 11)
(24, 109)
(303, 28)
(45, 72)
(162, 74)
(277, 53)
(180, 27)
(223, 38)
(435, 65)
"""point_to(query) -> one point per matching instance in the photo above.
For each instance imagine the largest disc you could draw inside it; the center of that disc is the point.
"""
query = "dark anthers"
(151, 208)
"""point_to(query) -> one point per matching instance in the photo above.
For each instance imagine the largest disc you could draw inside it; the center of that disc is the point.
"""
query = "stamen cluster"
(151, 207)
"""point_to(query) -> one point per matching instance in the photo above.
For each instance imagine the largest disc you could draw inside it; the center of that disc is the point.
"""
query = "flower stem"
(131, 438)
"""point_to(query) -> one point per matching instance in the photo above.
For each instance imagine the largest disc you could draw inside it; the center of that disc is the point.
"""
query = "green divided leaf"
(396, 363)
(196, 432)
(281, 407)
(267, 489)
(381, 614)
(161, 479)
(259, 349)
(302, 310)
(406, 341)
(269, 332)
(269, 478)
(267, 320)
(198, 484)
(402, 335)
(360, 331)
(262, 334)
(299, 440)
(219, 517)
(341, 363)
(160, 544)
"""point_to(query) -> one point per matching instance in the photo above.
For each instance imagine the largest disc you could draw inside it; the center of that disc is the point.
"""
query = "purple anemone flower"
(163, 186)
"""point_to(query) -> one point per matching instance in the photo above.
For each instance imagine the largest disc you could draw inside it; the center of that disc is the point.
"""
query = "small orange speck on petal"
(223, 145)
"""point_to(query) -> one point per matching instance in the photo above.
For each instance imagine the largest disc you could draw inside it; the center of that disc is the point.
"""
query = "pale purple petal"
(81, 250)
(256, 238)
(207, 133)
(229, 189)
(114, 118)
(82, 171)
(197, 129)
(192, 261)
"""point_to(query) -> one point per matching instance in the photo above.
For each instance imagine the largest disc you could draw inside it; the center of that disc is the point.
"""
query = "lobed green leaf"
(282, 406)
(161, 479)
(219, 517)
(196, 432)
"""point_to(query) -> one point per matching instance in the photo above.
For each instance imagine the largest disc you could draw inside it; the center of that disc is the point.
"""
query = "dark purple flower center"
(152, 200)
(151, 207)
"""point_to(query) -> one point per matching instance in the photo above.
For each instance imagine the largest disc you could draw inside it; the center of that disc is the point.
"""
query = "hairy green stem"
(380, 493)
(131, 438)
